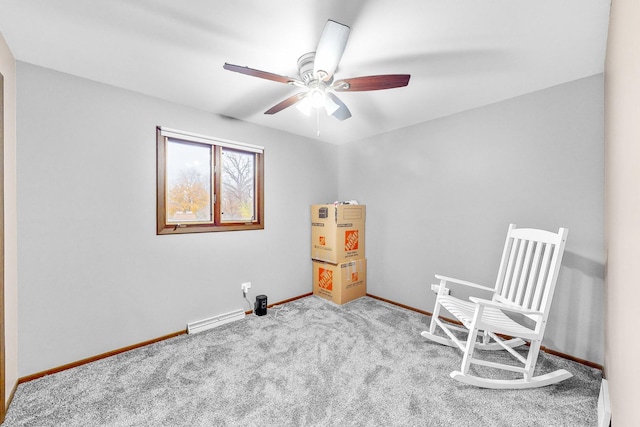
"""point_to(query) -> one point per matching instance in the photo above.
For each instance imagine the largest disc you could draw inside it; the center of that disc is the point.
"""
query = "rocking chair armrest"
(506, 307)
(464, 283)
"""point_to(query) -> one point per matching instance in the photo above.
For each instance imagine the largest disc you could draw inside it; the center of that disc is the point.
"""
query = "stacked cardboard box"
(337, 251)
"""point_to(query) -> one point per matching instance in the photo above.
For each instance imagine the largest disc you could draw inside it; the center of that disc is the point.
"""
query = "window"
(207, 184)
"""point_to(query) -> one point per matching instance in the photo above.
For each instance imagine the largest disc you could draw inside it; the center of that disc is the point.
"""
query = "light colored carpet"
(312, 363)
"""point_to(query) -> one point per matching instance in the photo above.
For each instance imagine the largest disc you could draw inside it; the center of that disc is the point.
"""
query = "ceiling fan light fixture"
(317, 97)
(304, 106)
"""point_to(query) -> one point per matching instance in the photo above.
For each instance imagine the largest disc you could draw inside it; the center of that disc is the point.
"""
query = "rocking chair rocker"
(524, 287)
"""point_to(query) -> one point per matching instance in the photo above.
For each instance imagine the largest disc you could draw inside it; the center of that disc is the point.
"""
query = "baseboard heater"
(215, 321)
(604, 405)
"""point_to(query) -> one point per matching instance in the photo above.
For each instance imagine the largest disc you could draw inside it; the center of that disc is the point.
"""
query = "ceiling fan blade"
(286, 103)
(387, 81)
(331, 45)
(257, 73)
(342, 113)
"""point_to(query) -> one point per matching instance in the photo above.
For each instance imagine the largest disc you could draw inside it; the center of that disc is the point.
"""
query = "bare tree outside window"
(238, 185)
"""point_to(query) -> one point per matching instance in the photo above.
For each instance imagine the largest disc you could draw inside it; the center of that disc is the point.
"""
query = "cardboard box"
(337, 232)
(340, 283)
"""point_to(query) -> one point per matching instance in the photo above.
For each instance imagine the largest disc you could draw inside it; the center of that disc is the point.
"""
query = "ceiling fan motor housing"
(305, 66)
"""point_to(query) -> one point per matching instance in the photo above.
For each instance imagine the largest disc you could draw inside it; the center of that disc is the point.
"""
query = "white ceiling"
(461, 54)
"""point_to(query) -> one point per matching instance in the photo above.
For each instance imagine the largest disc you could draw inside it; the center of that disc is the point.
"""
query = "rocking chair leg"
(468, 352)
(471, 340)
(532, 358)
(434, 316)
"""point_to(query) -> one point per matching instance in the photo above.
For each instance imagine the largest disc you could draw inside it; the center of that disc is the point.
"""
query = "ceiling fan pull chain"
(318, 121)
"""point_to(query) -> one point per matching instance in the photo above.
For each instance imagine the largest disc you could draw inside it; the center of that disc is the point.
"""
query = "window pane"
(238, 186)
(188, 182)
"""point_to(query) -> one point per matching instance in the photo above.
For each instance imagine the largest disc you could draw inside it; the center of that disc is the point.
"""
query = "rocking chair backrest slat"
(531, 284)
(529, 267)
(528, 272)
(518, 271)
(506, 264)
(543, 278)
(513, 271)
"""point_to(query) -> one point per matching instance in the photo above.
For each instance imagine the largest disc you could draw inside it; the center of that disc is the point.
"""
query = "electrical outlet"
(245, 287)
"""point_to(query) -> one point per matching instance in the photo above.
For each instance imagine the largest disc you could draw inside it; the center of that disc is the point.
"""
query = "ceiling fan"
(317, 70)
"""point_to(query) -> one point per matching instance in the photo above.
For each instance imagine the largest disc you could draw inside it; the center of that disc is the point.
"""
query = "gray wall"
(93, 275)
(441, 194)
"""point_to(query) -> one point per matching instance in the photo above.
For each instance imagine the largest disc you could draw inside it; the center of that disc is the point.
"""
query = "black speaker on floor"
(260, 307)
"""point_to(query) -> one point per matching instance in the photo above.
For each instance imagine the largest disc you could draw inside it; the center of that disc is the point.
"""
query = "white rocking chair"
(525, 285)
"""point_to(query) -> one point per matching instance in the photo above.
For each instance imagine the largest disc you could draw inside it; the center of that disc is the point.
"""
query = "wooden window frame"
(163, 134)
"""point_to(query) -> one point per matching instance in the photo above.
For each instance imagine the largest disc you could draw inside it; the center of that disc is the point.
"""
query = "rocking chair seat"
(499, 322)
